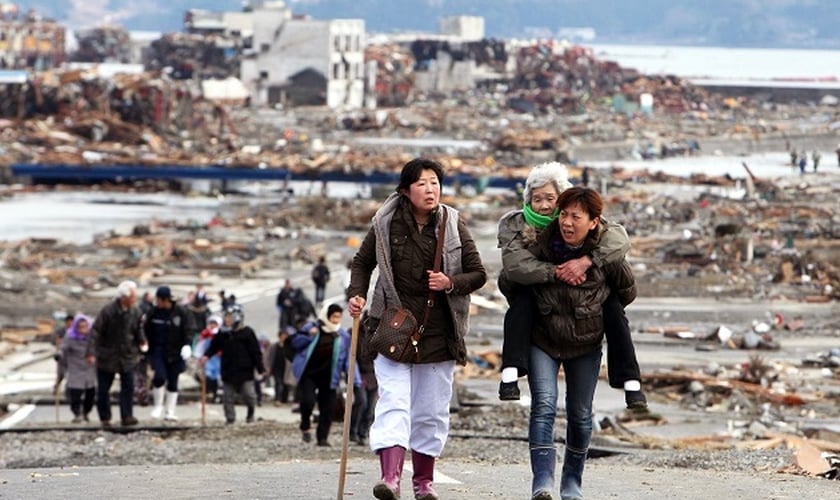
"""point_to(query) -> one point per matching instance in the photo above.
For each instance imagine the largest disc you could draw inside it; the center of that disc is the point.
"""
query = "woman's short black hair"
(411, 172)
(588, 199)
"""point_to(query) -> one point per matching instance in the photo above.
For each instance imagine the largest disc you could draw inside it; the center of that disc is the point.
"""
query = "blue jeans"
(581, 379)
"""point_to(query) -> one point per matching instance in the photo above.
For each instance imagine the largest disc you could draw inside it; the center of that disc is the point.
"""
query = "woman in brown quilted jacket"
(413, 407)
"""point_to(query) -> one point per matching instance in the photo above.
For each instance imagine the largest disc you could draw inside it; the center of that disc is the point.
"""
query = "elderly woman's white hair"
(546, 173)
(126, 288)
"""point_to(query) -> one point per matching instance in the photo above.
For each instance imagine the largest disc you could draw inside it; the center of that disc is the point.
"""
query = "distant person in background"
(147, 303)
(198, 307)
(803, 162)
(838, 154)
(364, 395)
(141, 371)
(322, 349)
(58, 338)
(816, 157)
(169, 328)
(114, 345)
(320, 277)
(213, 366)
(275, 362)
(286, 298)
(241, 357)
(264, 344)
(61, 329)
(81, 375)
(225, 300)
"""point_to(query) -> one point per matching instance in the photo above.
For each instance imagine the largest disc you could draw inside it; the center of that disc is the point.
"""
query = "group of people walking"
(92, 353)
(124, 339)
(565, 276)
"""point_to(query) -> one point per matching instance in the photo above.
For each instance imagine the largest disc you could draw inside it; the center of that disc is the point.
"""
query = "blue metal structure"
(121, 173)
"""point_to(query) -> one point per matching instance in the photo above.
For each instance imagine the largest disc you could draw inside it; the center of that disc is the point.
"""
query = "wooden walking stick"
(203, 396)
(348, 406)
(57, 410)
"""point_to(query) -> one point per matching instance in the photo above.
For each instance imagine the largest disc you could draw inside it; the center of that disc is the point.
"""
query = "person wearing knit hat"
(322, 353)
(518, 231)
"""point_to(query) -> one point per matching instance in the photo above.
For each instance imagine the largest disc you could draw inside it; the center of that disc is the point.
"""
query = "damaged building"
(29, 41)
(307, 62)
(285, 60)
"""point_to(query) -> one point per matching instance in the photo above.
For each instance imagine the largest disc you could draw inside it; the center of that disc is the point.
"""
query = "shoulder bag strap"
(430, 302)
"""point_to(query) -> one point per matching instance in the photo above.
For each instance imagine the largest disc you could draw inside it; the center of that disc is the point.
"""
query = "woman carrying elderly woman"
(518, 230)
(568, 333)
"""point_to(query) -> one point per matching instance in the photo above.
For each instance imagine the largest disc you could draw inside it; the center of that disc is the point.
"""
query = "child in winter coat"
(213, 366)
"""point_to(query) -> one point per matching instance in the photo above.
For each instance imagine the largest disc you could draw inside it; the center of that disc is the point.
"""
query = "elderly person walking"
(81, 376)
(114, 346)
(413, 408)
(568, 332)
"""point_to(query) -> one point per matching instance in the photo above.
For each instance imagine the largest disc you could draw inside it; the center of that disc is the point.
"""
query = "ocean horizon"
(692, 62)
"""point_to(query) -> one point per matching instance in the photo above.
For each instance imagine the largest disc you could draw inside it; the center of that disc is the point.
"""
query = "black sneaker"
(509, 391)
(635, 400)
(307, 437)
(323, 442)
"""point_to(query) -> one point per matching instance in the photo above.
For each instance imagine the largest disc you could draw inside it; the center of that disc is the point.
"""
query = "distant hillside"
(733, 23)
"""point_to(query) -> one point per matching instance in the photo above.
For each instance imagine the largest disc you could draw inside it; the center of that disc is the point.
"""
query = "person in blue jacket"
(322, 352)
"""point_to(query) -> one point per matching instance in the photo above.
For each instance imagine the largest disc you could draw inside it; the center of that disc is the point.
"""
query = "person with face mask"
(240, 359)
(322, 353)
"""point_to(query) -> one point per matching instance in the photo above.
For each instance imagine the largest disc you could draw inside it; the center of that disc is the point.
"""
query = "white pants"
(413, 406)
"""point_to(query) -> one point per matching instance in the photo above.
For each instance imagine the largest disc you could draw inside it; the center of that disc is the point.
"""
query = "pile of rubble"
(555, 102)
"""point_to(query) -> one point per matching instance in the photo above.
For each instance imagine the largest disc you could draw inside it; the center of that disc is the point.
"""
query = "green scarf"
(536, 219)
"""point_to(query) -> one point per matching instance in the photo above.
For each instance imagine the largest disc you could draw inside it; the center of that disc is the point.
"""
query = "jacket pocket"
(589, 324)
(399, 245)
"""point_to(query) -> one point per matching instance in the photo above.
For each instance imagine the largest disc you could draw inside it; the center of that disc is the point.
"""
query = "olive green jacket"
(521, 267)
